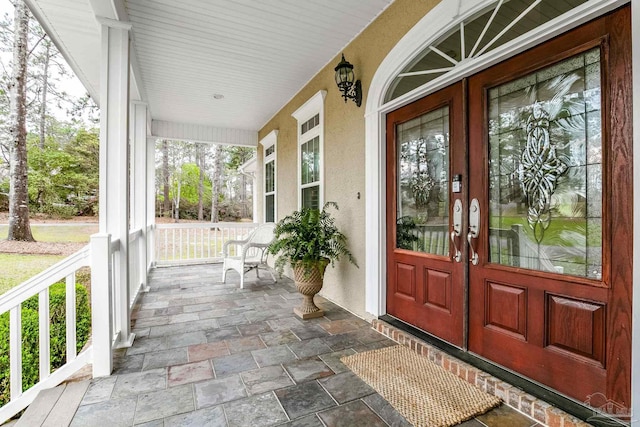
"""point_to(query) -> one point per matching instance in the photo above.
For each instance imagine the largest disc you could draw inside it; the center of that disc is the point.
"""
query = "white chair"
(252, 253)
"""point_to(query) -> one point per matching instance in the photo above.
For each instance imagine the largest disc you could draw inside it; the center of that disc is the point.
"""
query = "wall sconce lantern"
(344, 80)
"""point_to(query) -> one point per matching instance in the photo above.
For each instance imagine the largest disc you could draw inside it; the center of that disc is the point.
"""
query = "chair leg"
(273, 277)
(242, 279)
(224, 274)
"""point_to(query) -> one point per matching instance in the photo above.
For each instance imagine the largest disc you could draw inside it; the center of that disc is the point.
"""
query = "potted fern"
(308, 240)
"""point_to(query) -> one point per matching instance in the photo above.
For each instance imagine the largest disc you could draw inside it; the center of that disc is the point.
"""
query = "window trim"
(313, 106)
(271, 140)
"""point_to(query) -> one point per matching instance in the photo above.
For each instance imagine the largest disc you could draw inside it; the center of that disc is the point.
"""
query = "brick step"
(514, 397)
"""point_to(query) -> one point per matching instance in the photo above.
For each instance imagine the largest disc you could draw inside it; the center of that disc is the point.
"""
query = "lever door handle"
(474, 229)
(474, 254)
(457, 229)
(457, 255)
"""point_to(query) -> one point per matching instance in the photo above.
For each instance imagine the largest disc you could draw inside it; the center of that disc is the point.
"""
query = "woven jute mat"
(424, 393)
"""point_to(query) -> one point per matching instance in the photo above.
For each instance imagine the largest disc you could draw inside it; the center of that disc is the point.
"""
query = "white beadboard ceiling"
(257, 53)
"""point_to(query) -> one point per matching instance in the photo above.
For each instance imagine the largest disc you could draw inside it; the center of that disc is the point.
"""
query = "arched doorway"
(543, 316)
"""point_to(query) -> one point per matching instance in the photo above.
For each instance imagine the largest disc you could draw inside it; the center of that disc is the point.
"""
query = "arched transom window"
(486, 30)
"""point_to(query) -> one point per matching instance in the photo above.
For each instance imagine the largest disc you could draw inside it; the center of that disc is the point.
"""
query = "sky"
(69, 83)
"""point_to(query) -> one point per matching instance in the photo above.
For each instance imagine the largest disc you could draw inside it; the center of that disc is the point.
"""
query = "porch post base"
(305, 316)
(127, 342)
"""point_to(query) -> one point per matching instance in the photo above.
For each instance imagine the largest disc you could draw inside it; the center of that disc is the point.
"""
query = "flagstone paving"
(211, 354)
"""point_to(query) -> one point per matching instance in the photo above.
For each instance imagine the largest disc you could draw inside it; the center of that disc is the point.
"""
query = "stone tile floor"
(211, 354)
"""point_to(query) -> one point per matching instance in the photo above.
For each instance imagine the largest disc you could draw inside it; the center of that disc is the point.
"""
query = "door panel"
(543, 300)
(512, 321)
(425, 285)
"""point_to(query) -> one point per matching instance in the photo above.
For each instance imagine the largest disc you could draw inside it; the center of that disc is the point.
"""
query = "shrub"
(60, 210)
(30, 335)
(189, 210)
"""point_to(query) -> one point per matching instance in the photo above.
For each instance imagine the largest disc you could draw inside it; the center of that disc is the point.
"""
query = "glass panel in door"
(545, 169)
(422, 187)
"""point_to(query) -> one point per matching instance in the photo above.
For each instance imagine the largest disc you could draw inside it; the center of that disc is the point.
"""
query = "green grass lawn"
(60, 233)
(16, 268)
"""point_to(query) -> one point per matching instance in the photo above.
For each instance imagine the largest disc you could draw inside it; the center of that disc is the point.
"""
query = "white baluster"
(15, 351)
(44, 334)
(71, 316)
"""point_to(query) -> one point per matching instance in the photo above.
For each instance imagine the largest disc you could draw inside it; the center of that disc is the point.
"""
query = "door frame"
(448, 14)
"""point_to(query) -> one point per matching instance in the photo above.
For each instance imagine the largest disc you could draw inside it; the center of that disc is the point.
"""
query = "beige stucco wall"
(344, 144)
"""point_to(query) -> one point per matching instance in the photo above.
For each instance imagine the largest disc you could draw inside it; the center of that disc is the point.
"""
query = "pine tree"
(216, 181)
(19, 227)
(165, 177)
(201, 160)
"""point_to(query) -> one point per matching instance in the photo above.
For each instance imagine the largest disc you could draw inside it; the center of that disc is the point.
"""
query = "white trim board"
(201, 133)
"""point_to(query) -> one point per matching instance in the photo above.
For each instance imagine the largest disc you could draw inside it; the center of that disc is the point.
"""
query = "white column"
(114, 162)
(139, 185)
(635, 328)
(151, 203)
(256, 214)
(375, 221)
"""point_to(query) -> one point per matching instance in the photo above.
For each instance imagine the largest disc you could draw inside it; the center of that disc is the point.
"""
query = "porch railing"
(110, 312)
(12, 302)
(186, 243)
(137, 267)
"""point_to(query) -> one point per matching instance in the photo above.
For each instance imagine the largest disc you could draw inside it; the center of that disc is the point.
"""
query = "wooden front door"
(425, 145)
(551, 130)
(547, 213)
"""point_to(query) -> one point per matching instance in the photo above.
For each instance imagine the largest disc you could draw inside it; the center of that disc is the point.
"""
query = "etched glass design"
(422, 187)
(545, 169)
(539, 171)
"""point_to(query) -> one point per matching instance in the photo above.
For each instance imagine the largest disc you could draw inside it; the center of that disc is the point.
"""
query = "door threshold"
(532, 399)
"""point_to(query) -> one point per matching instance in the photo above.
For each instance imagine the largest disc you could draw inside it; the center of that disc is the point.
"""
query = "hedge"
(58, 338)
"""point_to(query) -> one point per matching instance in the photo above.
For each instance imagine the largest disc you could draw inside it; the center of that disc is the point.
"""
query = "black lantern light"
(344, 80)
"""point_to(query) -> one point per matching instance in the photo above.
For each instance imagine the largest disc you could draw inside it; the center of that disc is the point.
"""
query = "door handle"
(474, 229)
(457, 229)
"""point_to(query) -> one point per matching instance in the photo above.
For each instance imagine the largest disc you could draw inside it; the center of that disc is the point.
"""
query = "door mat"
(424, 393)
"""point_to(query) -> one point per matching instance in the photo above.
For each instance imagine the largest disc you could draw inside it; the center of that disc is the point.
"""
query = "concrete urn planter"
(309, 282)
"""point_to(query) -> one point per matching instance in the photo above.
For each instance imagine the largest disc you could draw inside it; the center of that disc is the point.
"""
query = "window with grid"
(310, 158)
(269, 147)
(310, 173)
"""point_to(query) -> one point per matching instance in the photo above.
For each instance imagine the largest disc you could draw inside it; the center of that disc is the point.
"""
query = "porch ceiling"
(256, 54)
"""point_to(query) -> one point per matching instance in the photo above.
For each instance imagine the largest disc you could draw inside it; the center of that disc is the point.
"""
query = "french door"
(425, 275)
(510, 191)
